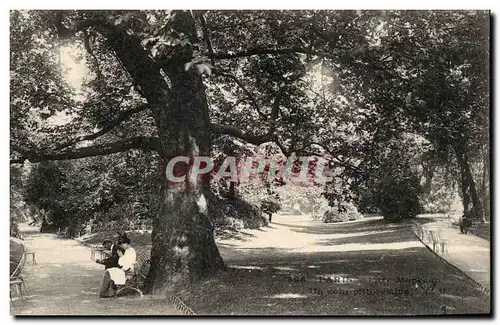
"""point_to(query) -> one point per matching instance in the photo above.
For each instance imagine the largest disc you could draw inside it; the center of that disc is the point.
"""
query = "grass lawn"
(16, 253)
(339, 284)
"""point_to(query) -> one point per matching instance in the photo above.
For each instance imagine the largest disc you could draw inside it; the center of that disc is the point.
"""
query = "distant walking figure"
(465, 224)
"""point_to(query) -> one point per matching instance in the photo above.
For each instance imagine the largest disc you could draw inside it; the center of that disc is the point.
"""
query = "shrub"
(235, 213)
(341, 212)
(14, 229)
(122, 224)
(391, 184)
(397, 197)
(270, 205)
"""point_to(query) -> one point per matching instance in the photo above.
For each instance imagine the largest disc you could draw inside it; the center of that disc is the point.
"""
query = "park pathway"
(65, 281)
(280, 267)
(467, 252)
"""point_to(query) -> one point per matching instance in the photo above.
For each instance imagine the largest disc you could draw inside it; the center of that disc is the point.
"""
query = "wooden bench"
(17, 280)
(135, 282)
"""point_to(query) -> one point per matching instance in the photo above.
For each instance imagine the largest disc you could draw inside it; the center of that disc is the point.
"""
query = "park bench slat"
(141, 267)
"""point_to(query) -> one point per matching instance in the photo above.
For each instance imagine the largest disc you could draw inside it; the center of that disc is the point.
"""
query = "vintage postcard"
(250, 162)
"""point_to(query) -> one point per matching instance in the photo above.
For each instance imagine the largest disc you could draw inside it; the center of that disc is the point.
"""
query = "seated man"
(108, 285)
(118, 275)
(111, 251)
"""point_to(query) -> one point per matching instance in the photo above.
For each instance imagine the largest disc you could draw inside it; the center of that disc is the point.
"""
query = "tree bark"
(486, 184)
(232, 190)
(470, 199)
(184, 249)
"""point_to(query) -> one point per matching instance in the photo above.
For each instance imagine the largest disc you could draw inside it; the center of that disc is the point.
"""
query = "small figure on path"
(465, 224)
(45, 225)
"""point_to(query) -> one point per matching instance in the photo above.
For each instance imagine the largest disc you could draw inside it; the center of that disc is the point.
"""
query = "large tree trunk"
(470, 198)
(183, 244)
(183, 249)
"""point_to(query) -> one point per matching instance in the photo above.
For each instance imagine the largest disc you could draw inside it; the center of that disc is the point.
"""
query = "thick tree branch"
(332, 153)
(283, 149)
(206, 37)
(260, 51)
(143, 69)
(322, 146)
(275, 110)
(65, 32)
(90, 51)
(110, 125)
(235, 132)
(143, 143)
(270, 135)
(344, 56)
(248, 94)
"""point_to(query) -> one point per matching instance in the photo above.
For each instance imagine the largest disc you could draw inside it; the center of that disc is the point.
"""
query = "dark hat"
(107, 241)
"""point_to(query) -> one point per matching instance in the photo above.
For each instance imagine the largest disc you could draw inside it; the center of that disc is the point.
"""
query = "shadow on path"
(375, 268)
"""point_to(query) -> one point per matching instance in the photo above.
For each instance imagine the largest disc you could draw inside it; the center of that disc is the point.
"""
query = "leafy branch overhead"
(300, 40)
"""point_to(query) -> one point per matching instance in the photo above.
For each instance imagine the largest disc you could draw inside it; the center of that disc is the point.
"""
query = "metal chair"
(33, 258)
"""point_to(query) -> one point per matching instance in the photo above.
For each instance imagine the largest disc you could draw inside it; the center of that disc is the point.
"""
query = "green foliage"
(308, 198)
(341, 212)
(397, 196)
(270, 205)
(14, 228)
(19, 210)
(234, 213)
(393, 185)
(44, 190)
(111, 191)
(440, 195)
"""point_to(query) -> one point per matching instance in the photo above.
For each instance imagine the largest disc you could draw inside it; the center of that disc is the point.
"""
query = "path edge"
(485, 291)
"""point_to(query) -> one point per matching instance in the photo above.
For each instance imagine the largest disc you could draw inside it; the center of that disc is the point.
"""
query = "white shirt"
(128, 259)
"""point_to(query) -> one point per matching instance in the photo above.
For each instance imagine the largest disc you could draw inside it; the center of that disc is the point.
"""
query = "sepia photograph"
(249, 162)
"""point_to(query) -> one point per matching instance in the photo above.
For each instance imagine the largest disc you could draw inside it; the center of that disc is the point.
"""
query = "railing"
(179, 304)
